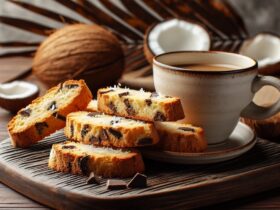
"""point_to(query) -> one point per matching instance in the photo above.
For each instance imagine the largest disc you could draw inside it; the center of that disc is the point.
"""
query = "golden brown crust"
(27, 136)
(172, 110)
(181, 141)
(143, 134)
(108, 166)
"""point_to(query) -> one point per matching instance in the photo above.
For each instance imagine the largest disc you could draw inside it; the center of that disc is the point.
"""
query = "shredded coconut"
(142, 90)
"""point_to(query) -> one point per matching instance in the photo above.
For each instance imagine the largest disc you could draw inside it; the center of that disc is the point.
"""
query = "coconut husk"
(82, 51)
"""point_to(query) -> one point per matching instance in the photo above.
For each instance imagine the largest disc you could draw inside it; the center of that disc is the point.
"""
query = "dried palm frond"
(225, 26)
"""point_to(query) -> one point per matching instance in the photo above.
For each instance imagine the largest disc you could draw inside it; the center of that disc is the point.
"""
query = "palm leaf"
(204, 9)
(44, 12)
(24, 53)
(228, 10)
(185, 11)
(104, 19)
(27, 25)
(19, 44)
(129, 19)
(89, 14)
(225, 26)
(140, 12)
(77, 8)
(160, 9)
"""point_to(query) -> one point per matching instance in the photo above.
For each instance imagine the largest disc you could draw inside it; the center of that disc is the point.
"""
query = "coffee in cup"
(207, 67)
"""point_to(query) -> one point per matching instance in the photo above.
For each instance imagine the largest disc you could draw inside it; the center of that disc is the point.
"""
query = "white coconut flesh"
(264, 48)
(178, 35)
(17, 90)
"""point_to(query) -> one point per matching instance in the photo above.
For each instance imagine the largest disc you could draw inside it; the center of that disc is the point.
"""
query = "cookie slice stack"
(105, 142)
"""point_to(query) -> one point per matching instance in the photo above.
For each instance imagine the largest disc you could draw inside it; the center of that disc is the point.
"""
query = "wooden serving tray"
(169, 186)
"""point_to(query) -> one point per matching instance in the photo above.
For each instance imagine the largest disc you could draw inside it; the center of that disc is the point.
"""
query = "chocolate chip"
(129, 108)
(58, 116)
(114, 184)
(72, 130)
(71, 86)
(115, 121)
(106, 91)
(83, 164)
(145, 141)
(40, 127)
(85, 130)
(104, 135)
(138, 181)
(187, 129)
(25, 112)
(154, 94)
(148, 102)
(123, 94)
(159, 116)
(115, 133)
(112, 107)
(94, 139)
(94, 179)
(91, 114)
(68, 147)
(52, 106)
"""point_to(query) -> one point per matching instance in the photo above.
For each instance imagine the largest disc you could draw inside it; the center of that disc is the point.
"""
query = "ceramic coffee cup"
(213, 99)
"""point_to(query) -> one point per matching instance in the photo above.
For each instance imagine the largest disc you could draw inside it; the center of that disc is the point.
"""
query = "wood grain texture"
(10, 199)
(169, 186)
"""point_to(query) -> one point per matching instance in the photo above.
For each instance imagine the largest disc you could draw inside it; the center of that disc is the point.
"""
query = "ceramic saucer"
(240, 141)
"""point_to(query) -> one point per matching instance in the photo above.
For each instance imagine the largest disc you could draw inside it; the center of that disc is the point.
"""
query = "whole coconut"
(80, 51)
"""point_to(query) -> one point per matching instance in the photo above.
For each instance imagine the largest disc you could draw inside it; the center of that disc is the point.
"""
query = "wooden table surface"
(9, 199)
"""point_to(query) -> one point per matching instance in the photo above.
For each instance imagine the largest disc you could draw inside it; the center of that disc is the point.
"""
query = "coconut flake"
(17, 90)
(115, 87)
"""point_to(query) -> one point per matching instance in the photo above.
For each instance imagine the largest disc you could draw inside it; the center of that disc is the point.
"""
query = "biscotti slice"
(92, 106)
(179, 137)
(47, 113)
(76, 158)
(139, 105)
(106, 130)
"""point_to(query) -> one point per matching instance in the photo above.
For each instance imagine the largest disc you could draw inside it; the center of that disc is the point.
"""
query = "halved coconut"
(17, 94)
(268, 128)
(264, 48)
(175, 35)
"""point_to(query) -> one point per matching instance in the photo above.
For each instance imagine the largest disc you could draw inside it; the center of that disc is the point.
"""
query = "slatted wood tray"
(169, 186)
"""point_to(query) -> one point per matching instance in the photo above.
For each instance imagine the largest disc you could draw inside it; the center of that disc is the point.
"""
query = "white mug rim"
(251, 67)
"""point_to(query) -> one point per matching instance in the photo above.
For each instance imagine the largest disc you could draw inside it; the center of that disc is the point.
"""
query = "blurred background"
(259, 15)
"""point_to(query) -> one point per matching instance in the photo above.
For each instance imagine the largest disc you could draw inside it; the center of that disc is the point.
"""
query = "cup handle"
(255, 112)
